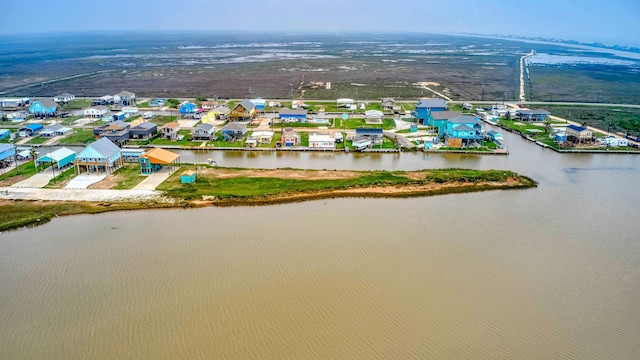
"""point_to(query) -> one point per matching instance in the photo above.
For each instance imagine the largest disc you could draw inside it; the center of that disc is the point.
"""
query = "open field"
(616, 119)
(272, 66)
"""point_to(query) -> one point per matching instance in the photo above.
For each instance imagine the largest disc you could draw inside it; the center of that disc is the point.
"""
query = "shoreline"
(39, 209)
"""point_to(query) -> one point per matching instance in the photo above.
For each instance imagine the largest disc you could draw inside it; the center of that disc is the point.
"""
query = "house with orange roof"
(157, 158)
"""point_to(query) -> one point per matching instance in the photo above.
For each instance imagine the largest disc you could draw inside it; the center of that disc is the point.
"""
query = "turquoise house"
(439, 119)
(425, 107)
(465, 130)
(43, 108)
(102, 155)
(59, 158)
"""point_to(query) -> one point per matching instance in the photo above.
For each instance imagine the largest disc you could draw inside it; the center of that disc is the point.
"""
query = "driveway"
(83, 181)
(38, 180)
(152, 181)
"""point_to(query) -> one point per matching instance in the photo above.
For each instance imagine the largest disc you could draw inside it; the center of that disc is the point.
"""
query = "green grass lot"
(37, 140)
(7, 139)
(408, 131)
(144, 104)
(328, 107)
(62, 179)
(278, 125)
(78, 104)
(184, 142)
(27, 169)
(617, 119)
(79, 136)
(255, 188)
(71, 120)
(277, 136)
(129, 175)
(407, 106)
(353, 123)
(132, 118)
(162, 120)
(524, 127)
(304, 139)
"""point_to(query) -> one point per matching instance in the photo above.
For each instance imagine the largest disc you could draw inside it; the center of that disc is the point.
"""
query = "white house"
(322, 142)
(96, 112)
(64, 98)
(125, 98)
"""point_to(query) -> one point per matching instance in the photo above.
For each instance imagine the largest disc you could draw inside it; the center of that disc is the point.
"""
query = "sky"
(610, 22)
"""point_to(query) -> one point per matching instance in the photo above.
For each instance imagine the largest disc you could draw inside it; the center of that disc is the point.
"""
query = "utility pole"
(504, 97)
(599, 92)
(483, 92)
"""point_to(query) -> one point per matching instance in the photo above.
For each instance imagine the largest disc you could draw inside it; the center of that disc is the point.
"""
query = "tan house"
(244, 111)
(170, 130)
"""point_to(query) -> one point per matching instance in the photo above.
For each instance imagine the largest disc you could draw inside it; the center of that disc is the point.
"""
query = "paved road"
(83, 181)
(80, 194)
(152, 181)
(38, 180)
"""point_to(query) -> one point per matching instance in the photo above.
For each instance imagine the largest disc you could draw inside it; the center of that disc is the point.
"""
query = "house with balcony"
(100, 156)
(43, 108)
(463, 131)
(203, 132)
(96, 112)
(125, 98)
(425, 107)
(243, 111)
(170, 130)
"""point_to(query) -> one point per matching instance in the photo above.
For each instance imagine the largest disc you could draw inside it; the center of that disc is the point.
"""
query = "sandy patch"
(427, 83)
(282, 174)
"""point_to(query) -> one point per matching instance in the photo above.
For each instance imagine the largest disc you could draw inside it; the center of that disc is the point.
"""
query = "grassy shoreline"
(252, 187)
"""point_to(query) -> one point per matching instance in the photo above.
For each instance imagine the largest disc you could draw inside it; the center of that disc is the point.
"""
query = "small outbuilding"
(30, 130)
(56, 130)
(60, 158)
(188, 177)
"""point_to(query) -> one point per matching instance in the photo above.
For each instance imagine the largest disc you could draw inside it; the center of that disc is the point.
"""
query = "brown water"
(552, 272)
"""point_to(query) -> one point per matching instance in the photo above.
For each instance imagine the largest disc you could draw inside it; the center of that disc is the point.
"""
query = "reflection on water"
(551, 272)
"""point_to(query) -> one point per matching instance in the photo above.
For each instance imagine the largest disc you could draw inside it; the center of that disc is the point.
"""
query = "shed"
(59, 158)
(56, 130)
(30, 130)
(156, 158)
(188, 177)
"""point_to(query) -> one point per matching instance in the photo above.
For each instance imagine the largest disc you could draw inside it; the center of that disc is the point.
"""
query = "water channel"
(551, 272)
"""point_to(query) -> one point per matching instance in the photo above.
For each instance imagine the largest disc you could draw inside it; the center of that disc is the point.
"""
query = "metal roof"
(464, 119)
(160, 156)
(57, 155)
(445, 115)
(48, 103)
(576, 128)
(205, 127)
(104, 147)
(235, 126)
(247, 104)
(287, 111)
(431, 103)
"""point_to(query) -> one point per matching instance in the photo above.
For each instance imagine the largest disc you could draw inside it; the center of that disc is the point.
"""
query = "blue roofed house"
(188, 108)
(43, 108)
(234, 131)
(438, 119)
(5, 133)
(100, 156)
(289, 115)
(427, 106)
(7, 154)
(462, 131)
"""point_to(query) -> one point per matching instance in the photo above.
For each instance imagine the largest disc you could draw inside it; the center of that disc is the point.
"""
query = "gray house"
(203, 132)
(144, 131)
